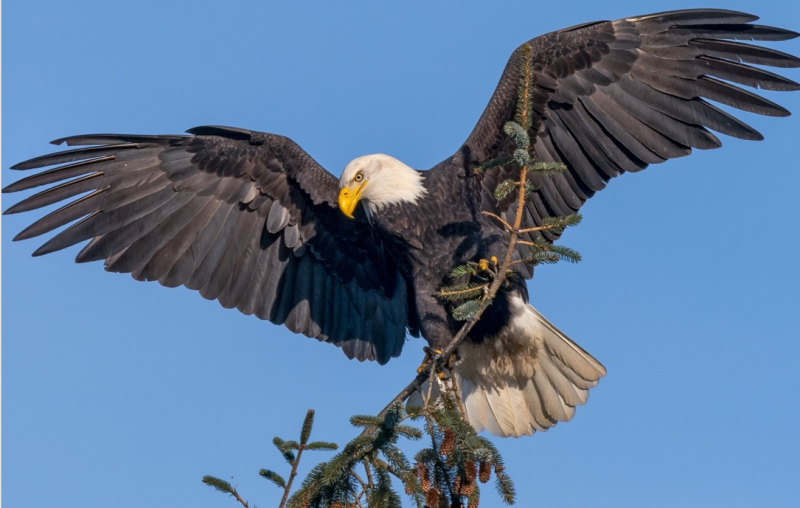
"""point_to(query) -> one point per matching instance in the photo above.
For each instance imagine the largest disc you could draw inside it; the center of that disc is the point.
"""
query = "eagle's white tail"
(527, 378)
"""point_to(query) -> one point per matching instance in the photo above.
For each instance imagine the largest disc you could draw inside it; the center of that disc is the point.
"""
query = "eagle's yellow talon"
(429, 356)
(493, 259)
(483, 265)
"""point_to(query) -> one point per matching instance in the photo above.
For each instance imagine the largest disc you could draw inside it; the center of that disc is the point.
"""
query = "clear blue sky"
(124, 394)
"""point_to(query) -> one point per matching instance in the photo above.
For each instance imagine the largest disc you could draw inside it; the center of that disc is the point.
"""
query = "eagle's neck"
(391, 183)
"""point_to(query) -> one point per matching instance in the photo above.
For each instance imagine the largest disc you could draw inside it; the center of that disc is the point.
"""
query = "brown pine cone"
(448, 442)
(424, 479)
(485, 471)
(471, 469)
(432, 497)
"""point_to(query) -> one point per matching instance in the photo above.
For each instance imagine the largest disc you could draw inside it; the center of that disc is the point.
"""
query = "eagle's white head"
(379, 181)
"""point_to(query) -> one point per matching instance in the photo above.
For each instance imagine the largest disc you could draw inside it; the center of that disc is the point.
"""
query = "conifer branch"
(273, 477)
(287, 453)
(462, 291)
(305, 432)
(462, 270)
(225, 487)
(555, 223)
(548, 168)
(321, 445)
(524, 104)
(494, 163)
(504, 189)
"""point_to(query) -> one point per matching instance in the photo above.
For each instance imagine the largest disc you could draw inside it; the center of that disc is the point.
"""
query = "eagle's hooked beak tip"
(348, 199)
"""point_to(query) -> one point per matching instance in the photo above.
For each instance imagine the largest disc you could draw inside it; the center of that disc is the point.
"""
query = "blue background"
(125, 394)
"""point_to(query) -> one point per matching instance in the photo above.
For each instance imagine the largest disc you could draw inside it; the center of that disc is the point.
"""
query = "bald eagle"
(250, 219)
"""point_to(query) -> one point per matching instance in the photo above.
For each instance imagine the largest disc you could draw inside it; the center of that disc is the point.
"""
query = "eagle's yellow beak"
(348, 199)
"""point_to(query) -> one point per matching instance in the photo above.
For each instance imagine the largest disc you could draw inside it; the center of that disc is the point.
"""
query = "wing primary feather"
(116, 243)
(113, 221)
(59, 174)
(205, 269)
(298, 318)
(163, 264)
(58, 193)
(253, 295)
(74, 155)
(285, 292)
(67, 213)
(229, 256)
(186, 223)
(138, 255)
(248, 253)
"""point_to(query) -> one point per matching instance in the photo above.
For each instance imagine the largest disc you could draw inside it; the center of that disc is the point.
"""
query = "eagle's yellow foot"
(488, 265)
(430, 355)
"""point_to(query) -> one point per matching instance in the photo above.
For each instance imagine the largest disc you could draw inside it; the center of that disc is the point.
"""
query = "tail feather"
(526, 379)
(568, 392)
(572, 355)
(532, 375)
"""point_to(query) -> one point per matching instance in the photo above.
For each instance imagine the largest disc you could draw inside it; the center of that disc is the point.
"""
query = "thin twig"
(463, 291)
(369, 475)
(498, 219)
(541, 228)
(364, 486)
(239, 498)
(288, 487)
(456, 394)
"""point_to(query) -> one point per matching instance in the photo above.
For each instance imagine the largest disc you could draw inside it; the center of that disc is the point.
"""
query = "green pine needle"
(548, 168)
(461, 291)
(287, 453)
(466, 310)
(289, 445)
(504, 189)
(308, 422)
(545, 253)
(409, 432)
(365, 421)
(219, 484)
(521, 156)
(517, 134)
(498, 162)
(566, 254)
(273, 477)
(321, 445)
(563, 222)
(542, 257)
(461, 270)
(505, 487)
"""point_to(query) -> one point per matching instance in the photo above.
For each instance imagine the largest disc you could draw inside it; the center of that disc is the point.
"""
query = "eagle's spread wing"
(244, 217)
(611, 97)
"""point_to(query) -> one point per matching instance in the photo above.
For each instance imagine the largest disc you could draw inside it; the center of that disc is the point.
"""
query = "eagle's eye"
(359, 176)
